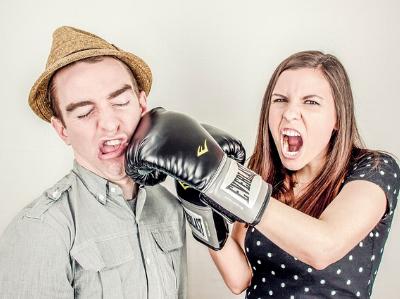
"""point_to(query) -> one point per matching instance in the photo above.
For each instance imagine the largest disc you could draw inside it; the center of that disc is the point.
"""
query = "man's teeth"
(289, 132)
(113, 142)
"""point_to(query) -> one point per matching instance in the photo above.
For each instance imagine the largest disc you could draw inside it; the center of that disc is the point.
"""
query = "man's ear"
(60, 129)
(143, 102)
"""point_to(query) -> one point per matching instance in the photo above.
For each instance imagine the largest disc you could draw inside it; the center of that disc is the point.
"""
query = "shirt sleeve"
(34, 262)
(380, 169)
(183, 271)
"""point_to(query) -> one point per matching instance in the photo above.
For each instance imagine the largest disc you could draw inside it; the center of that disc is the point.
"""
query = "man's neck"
(128, 186)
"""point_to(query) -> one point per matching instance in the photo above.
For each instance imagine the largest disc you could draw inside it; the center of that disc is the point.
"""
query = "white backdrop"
(210, 59)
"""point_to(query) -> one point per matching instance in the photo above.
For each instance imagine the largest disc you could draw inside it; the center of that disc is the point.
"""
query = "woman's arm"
(320, 242)
(231, 261)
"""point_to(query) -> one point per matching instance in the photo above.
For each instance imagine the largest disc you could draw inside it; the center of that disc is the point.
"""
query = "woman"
(323, 231)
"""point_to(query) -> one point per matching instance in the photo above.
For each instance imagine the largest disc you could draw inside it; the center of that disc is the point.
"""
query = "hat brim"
(38, 98)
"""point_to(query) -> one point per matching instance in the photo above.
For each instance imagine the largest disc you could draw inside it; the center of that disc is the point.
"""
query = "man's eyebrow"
(119, 91)
(71, 107)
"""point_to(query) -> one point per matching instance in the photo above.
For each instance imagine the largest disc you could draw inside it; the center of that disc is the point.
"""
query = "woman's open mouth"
(291, 143)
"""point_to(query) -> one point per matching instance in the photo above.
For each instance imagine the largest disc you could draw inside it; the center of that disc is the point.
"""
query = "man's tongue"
(294, 143)
(105, 149)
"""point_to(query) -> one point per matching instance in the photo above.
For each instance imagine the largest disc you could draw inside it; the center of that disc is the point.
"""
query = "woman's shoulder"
(378, 167)
(373, 159)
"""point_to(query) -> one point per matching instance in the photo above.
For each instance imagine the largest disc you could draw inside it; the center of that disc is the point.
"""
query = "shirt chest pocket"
(100, 264)
(168, 252)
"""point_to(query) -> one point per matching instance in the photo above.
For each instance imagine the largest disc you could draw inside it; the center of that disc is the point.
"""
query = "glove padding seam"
(215, 175)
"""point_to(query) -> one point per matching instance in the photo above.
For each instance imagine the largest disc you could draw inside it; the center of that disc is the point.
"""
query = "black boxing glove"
(207, 226)
(228, 143)
(179, 146)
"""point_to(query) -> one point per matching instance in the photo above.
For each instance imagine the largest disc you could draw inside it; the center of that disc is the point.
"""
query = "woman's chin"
(292, 161)
(291, 166)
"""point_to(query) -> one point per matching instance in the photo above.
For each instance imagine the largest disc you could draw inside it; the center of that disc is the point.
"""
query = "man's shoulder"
(36, 221)
(51, 198)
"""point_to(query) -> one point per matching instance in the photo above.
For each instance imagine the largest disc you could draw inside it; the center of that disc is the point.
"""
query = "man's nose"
(292, 112)
(108, 121)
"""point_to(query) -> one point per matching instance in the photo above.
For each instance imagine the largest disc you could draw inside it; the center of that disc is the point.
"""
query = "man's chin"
(115, 169)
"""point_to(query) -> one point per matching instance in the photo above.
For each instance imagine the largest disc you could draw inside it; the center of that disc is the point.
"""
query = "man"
(95, 233)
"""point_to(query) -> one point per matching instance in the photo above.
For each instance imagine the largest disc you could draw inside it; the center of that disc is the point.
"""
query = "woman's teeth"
(286, 150)
(289, 132)
(291, 142)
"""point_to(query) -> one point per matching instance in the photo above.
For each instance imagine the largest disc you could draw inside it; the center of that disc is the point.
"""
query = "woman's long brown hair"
(345, 143)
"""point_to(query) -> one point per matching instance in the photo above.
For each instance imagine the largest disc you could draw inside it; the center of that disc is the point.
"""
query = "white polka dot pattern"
(277, 274)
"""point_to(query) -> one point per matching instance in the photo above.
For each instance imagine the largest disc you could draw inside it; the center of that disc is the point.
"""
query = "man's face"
(100, 111)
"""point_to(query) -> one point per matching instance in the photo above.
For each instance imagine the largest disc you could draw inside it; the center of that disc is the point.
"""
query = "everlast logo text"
(242, 182)
(196, 223)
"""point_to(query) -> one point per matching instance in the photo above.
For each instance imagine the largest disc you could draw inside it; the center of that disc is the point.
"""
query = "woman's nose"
(292, 112)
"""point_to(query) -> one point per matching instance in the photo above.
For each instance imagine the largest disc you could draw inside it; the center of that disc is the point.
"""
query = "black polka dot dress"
(277, 274)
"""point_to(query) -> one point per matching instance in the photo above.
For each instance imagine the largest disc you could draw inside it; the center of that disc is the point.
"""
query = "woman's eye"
(279, 100)
(311, 102)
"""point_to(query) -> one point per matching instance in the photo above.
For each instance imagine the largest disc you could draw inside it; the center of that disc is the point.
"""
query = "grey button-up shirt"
(81, 239)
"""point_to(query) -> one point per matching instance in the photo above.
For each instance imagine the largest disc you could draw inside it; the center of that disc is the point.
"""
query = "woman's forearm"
(233, 266)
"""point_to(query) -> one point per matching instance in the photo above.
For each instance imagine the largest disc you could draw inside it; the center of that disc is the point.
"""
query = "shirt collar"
(98, 186)
(140, 201)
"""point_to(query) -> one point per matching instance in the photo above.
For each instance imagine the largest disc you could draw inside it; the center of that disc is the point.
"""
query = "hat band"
(81, 50)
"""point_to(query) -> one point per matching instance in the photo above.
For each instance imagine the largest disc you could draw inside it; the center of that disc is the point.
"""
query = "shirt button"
(148, 261)
(101, 196)
(112, 189)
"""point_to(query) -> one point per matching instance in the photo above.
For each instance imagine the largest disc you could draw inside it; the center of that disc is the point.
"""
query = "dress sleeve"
(381, 169)
(34, 262)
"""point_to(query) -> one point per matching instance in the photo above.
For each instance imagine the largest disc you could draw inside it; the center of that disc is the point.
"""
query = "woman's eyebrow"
(312, 96)
(279, 95)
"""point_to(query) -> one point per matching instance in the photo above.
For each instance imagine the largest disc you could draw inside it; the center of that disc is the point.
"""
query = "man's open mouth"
(112, 148)
(291, 142)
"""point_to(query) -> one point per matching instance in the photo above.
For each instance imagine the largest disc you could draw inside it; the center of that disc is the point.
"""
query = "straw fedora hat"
(70, 45)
